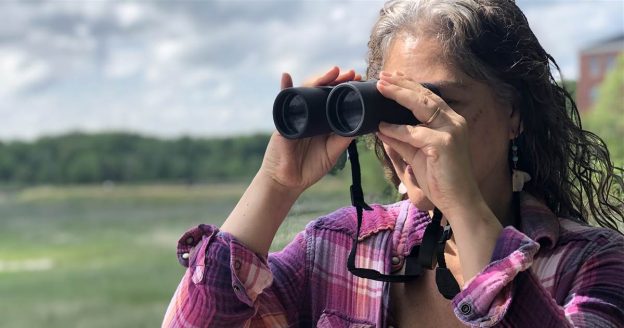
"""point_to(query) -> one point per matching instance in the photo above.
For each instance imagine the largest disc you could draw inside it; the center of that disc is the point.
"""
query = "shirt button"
(237, 265)
(189, 240)
(396, 260)
(465, 309)
(236, 288)
(185, 256)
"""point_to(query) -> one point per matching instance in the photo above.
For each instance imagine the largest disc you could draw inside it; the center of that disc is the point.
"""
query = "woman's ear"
(515, 126)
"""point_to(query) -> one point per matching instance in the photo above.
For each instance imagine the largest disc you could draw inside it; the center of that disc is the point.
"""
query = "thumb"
(286, 81)
(336, 145)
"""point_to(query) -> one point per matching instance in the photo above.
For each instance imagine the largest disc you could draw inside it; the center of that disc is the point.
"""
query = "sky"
(206, 68)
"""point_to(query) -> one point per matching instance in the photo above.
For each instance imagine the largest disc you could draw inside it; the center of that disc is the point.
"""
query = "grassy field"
(97, 256)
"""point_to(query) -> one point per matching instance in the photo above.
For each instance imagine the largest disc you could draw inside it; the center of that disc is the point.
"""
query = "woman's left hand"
(438, 151)
(439, 154)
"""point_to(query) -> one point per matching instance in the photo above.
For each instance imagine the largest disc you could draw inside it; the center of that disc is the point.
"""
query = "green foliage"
(122, 157)
(606, 119)
(374, 184)
(570, 86)
(373, 177)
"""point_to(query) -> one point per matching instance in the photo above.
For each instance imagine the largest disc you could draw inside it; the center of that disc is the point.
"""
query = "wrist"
(259, 213)
(275, 189)
(464, 203)
(476, 219)
(475, 231)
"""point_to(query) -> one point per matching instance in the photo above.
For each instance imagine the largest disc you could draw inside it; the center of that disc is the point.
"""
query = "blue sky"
(205, 68)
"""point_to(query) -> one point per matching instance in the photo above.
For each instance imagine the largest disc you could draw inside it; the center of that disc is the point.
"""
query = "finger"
(418, 136)
(344, 77)
(402, 80)
(398, 78)
(405, 150)
(286, 81)
(358, 77)
(336, 145)
(423, 104)
(326, 78)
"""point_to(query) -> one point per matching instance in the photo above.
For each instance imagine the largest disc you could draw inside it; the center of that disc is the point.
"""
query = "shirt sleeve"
(506, 292)
(228, 285)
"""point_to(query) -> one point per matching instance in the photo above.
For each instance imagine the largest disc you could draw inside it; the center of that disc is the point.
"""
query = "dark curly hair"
(492, 42)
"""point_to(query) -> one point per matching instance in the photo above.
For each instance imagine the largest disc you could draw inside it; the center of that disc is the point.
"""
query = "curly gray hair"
(491, 41)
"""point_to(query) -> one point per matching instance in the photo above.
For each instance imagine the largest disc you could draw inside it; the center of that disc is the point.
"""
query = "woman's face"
(491, 123)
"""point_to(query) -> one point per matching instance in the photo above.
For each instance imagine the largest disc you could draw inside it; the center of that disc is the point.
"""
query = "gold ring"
(433, 117)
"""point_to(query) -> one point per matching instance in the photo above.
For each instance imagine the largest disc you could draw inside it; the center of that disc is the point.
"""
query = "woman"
(501, 122)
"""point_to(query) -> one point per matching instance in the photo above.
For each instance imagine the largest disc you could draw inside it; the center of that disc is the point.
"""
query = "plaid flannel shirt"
(554, 273)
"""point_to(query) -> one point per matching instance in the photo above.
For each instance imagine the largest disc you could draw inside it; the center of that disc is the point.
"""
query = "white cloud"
(124, 63)
(565, 28)
(168, 50)
(129, 14)
(204, 68)
(222, 91)
(19, 70)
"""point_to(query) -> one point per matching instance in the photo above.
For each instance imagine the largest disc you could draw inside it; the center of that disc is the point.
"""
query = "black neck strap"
(357, 200)
(447, 285)
(423, 256)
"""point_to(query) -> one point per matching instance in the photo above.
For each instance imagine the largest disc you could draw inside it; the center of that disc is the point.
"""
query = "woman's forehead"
(422, 62)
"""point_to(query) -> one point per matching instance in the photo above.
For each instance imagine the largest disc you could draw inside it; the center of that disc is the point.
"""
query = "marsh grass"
(104, 256)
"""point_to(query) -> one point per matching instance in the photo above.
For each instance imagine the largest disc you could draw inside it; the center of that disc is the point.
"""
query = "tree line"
(129, 158)
(132, 158)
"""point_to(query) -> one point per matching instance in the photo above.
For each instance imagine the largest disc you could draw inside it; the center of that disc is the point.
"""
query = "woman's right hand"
(298, 164)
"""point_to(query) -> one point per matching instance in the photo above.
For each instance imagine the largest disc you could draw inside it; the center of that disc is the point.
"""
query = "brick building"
(595, 61)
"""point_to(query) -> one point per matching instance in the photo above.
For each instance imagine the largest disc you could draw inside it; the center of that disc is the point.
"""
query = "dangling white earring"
(518, 177)
(402, 189)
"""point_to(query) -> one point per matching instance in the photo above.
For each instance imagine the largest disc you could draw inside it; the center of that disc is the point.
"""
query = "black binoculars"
(349, 109)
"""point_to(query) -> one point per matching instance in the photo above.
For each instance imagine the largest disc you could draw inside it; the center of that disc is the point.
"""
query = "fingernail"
(384, 73)
(384, 83)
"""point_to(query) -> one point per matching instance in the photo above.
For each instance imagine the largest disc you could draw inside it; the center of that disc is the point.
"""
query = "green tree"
(570, 86)
(85, 168)
(126, 157)
(606, 118)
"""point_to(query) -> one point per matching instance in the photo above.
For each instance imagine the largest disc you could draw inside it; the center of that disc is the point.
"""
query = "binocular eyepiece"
(349, 109)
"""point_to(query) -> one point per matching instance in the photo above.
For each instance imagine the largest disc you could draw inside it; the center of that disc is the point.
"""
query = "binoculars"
(349, 109)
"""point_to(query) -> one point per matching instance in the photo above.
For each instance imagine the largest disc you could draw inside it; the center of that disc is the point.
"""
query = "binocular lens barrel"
(356, 108)
(348, 109)
(294, 113)
(300, 112)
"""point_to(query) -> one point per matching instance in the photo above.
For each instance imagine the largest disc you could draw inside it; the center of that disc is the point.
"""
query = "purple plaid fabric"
(555, 273)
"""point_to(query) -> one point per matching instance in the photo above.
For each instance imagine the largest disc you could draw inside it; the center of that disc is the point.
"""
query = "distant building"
(595, 62)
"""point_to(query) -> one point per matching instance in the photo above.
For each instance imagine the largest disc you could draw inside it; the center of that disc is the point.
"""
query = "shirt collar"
(382, 217)
(537, 221)
(385, 217)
